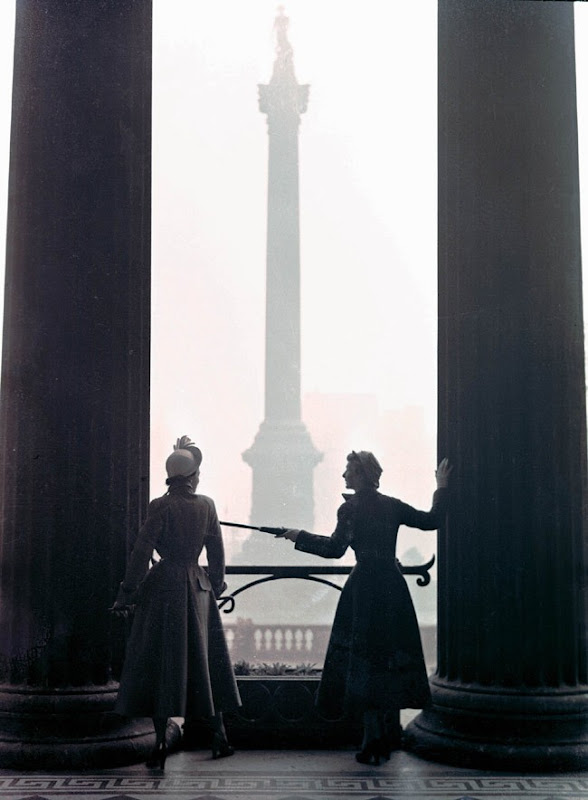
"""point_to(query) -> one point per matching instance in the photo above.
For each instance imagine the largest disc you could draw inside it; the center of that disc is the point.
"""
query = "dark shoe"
(370, 754)
(220, 747)
(157, 757)
(390, 742)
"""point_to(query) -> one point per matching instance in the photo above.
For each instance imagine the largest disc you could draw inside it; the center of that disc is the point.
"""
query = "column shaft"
(282, 354)
(74, 416)
(512, 684)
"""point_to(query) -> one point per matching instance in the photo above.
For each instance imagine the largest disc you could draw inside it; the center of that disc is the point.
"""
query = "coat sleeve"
(215, 553)
(425, 520)
(332, 546)
(145, 544)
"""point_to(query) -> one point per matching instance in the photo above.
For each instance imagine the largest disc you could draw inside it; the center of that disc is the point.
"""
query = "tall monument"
(283, 456)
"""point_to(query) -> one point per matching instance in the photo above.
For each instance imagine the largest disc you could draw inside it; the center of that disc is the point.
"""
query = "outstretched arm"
(325, 546)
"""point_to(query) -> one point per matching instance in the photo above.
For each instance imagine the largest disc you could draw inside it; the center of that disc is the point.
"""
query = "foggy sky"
(368, 222)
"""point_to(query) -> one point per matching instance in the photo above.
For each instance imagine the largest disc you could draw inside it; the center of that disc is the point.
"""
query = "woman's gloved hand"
(122, 606)
(442, 474)
(121, 609)
(219, 590)
(288, 533)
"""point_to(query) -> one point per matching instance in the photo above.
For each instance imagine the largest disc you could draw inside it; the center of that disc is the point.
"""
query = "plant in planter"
(244, 668)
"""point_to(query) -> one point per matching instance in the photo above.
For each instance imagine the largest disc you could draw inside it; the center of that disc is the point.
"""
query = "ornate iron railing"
(308, 573)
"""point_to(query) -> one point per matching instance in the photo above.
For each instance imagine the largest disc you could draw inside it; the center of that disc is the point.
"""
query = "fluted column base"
(72, 728)
(543, 730)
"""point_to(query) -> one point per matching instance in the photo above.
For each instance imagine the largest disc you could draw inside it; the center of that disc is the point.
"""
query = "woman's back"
(187, 521)
(177, 661)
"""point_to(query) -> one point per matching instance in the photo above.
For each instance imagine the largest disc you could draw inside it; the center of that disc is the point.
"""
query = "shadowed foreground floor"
(290, 775)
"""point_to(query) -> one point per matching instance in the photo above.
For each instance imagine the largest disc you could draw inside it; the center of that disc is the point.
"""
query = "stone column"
(74, 415)
(511, 689)
(283, 100)
(282, 456)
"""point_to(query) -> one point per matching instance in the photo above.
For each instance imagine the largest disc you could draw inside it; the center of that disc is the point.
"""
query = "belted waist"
(176, 562)
(201, 574)
(377, 559)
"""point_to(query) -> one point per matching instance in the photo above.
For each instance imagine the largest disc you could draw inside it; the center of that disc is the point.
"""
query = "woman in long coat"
(177, 662)
(374, 663)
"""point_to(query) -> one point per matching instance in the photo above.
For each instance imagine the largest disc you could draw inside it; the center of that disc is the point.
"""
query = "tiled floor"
(290, 775)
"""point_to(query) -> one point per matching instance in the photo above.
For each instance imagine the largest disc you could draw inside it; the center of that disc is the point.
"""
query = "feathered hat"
(185, 459)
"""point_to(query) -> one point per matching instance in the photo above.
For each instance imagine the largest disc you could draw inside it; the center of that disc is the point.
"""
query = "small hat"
(185, 459)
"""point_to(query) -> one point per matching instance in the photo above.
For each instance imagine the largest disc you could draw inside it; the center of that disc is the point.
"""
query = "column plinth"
(70, 729)
(498, 728)
(511, 688)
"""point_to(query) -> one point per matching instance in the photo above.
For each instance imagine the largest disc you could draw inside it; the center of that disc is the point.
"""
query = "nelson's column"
(282, 456)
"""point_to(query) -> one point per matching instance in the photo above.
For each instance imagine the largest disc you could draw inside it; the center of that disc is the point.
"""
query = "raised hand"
(442, 474)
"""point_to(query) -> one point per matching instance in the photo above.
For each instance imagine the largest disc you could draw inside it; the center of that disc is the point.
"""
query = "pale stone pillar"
(282, 456)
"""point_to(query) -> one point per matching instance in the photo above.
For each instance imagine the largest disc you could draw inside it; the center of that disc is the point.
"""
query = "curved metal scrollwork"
(422, 570)
(277, 573)
(230, 599)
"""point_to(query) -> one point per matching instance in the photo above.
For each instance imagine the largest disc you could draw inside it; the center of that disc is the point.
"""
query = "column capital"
(283, 102)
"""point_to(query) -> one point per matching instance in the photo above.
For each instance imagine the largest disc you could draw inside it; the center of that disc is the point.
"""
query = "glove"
(288, 533)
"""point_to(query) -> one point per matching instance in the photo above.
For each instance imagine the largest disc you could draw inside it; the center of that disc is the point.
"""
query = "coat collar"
(370, 491)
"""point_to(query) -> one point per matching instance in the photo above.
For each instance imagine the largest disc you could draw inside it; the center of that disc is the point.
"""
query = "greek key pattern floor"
(285, 786)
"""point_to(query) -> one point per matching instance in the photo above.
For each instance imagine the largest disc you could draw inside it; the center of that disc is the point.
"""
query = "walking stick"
(263, 528)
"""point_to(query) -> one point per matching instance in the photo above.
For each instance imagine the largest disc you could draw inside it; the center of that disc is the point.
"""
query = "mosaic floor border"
(275, 786)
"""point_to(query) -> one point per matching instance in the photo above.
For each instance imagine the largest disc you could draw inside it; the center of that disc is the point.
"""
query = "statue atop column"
(283, 96)
(285, 54)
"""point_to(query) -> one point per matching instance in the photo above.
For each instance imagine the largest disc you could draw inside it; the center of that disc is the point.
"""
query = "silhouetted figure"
(177, 662)
(374, 664)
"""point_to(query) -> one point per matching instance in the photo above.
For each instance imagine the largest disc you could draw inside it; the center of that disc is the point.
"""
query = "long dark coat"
(374, 659)
(177, 662)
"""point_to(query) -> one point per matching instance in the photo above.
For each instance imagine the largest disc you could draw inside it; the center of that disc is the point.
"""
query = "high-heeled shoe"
(220, 747)
(157, 757)
(370, 753)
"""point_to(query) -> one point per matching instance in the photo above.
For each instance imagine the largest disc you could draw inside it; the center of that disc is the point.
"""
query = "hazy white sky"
(368, 213)
(368, 178)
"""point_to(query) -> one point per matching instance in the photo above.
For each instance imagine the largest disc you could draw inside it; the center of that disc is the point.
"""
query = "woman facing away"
(177, 663)
(374, 664)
